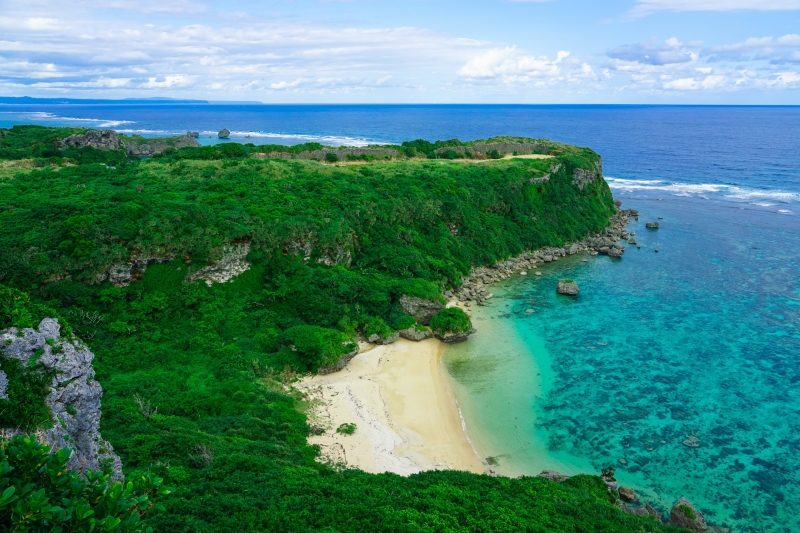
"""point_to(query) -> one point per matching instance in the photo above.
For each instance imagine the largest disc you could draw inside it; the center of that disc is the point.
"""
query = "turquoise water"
(700, 339)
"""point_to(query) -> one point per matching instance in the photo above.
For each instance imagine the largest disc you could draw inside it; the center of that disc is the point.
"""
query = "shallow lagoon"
(698, 340)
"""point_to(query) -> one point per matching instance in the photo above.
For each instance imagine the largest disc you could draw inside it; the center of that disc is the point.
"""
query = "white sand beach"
(406, 414)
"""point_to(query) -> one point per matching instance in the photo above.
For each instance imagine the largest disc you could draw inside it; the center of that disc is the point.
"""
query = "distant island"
(27, 100)
(209, 294)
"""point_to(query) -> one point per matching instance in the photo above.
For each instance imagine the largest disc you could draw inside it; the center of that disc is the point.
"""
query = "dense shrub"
(319, 346)
(39, 494)
(451, 320)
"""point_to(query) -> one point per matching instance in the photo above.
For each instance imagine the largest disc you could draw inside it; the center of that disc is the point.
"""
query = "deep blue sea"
(679, 367)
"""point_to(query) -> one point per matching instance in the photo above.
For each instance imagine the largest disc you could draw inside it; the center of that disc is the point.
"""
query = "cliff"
(72, 397)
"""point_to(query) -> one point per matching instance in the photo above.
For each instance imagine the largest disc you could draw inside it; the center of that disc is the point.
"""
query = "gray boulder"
(193, 134)
(99, 139)
(651, 225)
(414, 334)
(390, 339)
(74, 397)
(421, 309)
(567, 287)
(224, 133)
(685, 515)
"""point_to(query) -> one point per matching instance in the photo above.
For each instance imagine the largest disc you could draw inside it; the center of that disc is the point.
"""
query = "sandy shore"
(406, 414)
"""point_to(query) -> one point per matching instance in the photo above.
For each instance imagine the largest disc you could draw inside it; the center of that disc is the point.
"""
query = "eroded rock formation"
(74, 398)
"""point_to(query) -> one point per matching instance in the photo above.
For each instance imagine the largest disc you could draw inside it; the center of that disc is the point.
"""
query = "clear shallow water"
(699, 339)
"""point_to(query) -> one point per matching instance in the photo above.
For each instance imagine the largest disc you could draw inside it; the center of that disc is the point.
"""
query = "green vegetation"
(688, 511)
(451, 320)
(346, 429)
(39, 494)
(197, 379)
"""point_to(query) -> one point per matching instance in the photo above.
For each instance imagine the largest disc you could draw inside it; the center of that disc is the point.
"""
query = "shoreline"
(406, 414)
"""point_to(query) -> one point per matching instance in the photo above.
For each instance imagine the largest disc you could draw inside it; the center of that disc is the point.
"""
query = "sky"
(414, 51)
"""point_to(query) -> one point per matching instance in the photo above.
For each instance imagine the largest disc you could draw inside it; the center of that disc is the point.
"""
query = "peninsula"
(221, 292)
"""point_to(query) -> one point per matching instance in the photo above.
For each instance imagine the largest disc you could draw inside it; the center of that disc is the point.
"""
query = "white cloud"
(789, 40)
(510, 66)
(646, 7)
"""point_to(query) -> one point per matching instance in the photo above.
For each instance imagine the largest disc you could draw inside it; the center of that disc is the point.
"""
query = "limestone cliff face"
(232, 263)
(110, 140)
(99, 139)
(74, 398)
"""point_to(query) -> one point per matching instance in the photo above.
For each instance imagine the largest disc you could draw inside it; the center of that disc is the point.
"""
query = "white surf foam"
(760, 197)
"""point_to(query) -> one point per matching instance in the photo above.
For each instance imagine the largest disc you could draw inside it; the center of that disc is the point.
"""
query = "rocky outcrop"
(232, 263)
(651, 225)
(646, 510)
(99, 139)
(450, 337)
(552, 475)
(122, 274)
(340, 364)
(74, 398)
(152, 147)
(414, 334)
(224, 133)
(685, 515)
(581, 177)
(389, 339)
(193, 134)
(627, 495)
(567, 287)
(421, 309)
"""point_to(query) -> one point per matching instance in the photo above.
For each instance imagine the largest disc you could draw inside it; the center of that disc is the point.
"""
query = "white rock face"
(74, 399)
(232, 263)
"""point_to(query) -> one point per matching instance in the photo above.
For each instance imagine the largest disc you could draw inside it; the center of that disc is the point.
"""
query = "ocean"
(681, 367)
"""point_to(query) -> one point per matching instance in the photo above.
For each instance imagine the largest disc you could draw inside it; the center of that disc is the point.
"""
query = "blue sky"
(438, 51)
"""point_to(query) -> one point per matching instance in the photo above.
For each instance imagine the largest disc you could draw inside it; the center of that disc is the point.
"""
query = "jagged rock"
(552, 475)
(414, 334)
(193, 134)
(568, 287)
(627, 495)
(615, 251)
(617, 203)
(224, 133)
(232, 263)
(99, 139)
(453, 338)
(74, 398)
(651, 225)
(685, 515)
(421, 309)
(121, 274)
(390, 339)
(340, 364)
(574, 249)
(642, 511)
(582, 177)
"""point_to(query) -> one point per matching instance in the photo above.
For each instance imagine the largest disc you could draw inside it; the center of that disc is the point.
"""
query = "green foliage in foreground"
(39, 494)
(451, 320)
(194, 377)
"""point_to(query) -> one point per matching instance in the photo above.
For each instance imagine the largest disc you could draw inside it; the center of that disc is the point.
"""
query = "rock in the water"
(627, 495)
(538, 273)
(568, 287)
(99, 139)
(552, 475)
(224, 133)
(618, 203)
(453, 338)
(73, 398)
(414, 334)
(651, 225)
(685, 515)
(193, 134)
(421, 309)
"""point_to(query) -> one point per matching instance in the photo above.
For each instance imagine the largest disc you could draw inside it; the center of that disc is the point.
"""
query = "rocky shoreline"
(475, 287)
